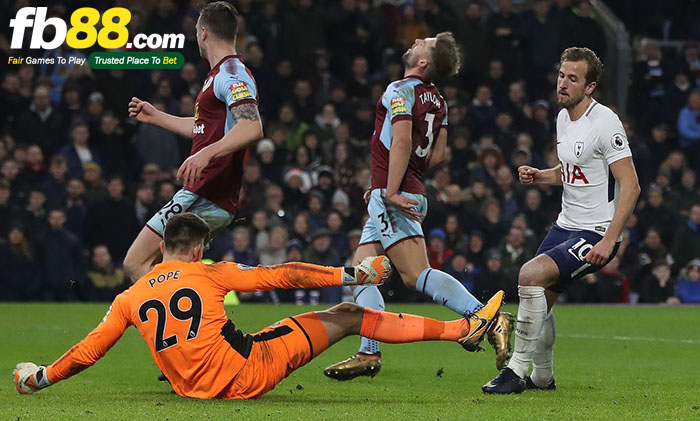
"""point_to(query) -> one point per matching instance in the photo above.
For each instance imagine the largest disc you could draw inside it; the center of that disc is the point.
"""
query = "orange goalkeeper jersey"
(178, 310)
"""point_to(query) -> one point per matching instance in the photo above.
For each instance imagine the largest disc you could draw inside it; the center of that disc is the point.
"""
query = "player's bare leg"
(367, 361)
(143, 252)
(411, 260)
(536, 275)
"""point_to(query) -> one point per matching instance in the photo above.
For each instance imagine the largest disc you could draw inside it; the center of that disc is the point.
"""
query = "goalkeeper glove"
(373, 270)
(30, 378)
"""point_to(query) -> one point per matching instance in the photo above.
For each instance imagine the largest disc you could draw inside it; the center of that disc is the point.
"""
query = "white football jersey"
(586, 148)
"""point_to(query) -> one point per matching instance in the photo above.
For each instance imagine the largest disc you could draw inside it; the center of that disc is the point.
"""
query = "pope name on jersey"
(586, 148)
(231, 83)
(410, 98)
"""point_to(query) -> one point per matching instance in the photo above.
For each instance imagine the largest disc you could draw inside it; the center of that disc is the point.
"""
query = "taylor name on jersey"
(586, 148)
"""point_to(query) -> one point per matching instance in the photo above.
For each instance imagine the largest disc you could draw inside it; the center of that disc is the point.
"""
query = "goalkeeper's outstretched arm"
(30, 378)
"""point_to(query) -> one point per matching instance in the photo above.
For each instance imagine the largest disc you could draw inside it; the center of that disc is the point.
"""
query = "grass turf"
(610, 362)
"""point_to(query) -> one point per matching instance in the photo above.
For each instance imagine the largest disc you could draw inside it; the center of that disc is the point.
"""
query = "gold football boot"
(360, 364)
(499, 338)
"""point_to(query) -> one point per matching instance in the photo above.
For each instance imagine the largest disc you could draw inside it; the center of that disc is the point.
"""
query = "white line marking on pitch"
(632, 338)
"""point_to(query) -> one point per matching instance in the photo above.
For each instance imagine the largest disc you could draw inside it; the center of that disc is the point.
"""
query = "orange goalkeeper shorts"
(276, 352)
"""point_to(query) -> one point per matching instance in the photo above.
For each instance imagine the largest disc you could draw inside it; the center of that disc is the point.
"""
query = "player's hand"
(600, 252)
(142, 111)
(30, 378)
(527, 174)
(191, 170)
(405, 205)
(373, 270)
(367, 195)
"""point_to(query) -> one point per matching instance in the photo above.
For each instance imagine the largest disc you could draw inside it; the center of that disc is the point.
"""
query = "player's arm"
(234, 277)
(438, 154)
(30, 378)
(248, 129)
(531, 175)
(401, 148)
(626, 176)
(144, 112)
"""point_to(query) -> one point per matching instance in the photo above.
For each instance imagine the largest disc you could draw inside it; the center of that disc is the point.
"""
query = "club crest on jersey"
(207, 83)
(618, 141)
(398, 105)
(578, 149)
(240, 91)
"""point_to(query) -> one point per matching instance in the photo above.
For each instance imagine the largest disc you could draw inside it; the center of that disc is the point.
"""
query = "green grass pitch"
(610, 363)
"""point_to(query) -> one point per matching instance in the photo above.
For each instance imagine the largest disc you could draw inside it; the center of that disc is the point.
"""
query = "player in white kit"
(591, 143)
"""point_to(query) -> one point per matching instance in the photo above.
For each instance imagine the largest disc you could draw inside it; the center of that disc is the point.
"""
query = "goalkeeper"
(178, 310)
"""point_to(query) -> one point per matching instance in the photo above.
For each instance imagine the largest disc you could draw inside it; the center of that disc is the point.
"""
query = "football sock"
(542, 366)
(368, 296)
(446, 290)
(401, 328)
(531, 314)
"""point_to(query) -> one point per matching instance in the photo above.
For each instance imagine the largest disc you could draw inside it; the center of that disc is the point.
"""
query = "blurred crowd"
(78, 179)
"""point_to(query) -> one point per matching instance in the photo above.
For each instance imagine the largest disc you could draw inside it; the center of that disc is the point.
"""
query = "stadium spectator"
(514, 254)
(490, 278)
(76, 207)
(242, 251)
(61, 260)
(19, 280)
(472, 35)
(505, 31)
(438, 253)
(104, 281)
(41, 123)
(79, 153)
(112, 222)
(55, 186)
(157, 145)
(689, 128)
(658, 286)
(275, 251)
(686, 240)
(689, 283)
(320, 252)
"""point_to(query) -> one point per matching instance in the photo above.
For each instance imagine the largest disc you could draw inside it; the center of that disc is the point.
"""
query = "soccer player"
(410, 135)
(178, 310)
(225, 123)
(591, 143)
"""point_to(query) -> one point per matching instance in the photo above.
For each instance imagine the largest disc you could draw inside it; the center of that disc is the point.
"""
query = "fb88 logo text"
(83, 22)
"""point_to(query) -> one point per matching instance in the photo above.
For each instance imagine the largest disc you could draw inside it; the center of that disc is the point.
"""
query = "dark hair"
(185, 230)
(446, 57)
(595, 66)
(221, 18)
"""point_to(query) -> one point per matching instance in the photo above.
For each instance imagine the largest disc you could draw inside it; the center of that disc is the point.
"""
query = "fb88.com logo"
(83, 33)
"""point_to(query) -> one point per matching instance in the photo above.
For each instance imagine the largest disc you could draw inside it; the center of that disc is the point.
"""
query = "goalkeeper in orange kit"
(178, 310)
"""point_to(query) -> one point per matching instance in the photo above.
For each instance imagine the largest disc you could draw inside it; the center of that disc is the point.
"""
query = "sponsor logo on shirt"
(398, 105)
(240, 91)
(198, 129)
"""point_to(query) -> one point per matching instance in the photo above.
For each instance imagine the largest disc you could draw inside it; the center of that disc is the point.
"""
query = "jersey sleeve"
(238, 277)
(96, 343)
(399, 100)
(235, 89)
(612, 140)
